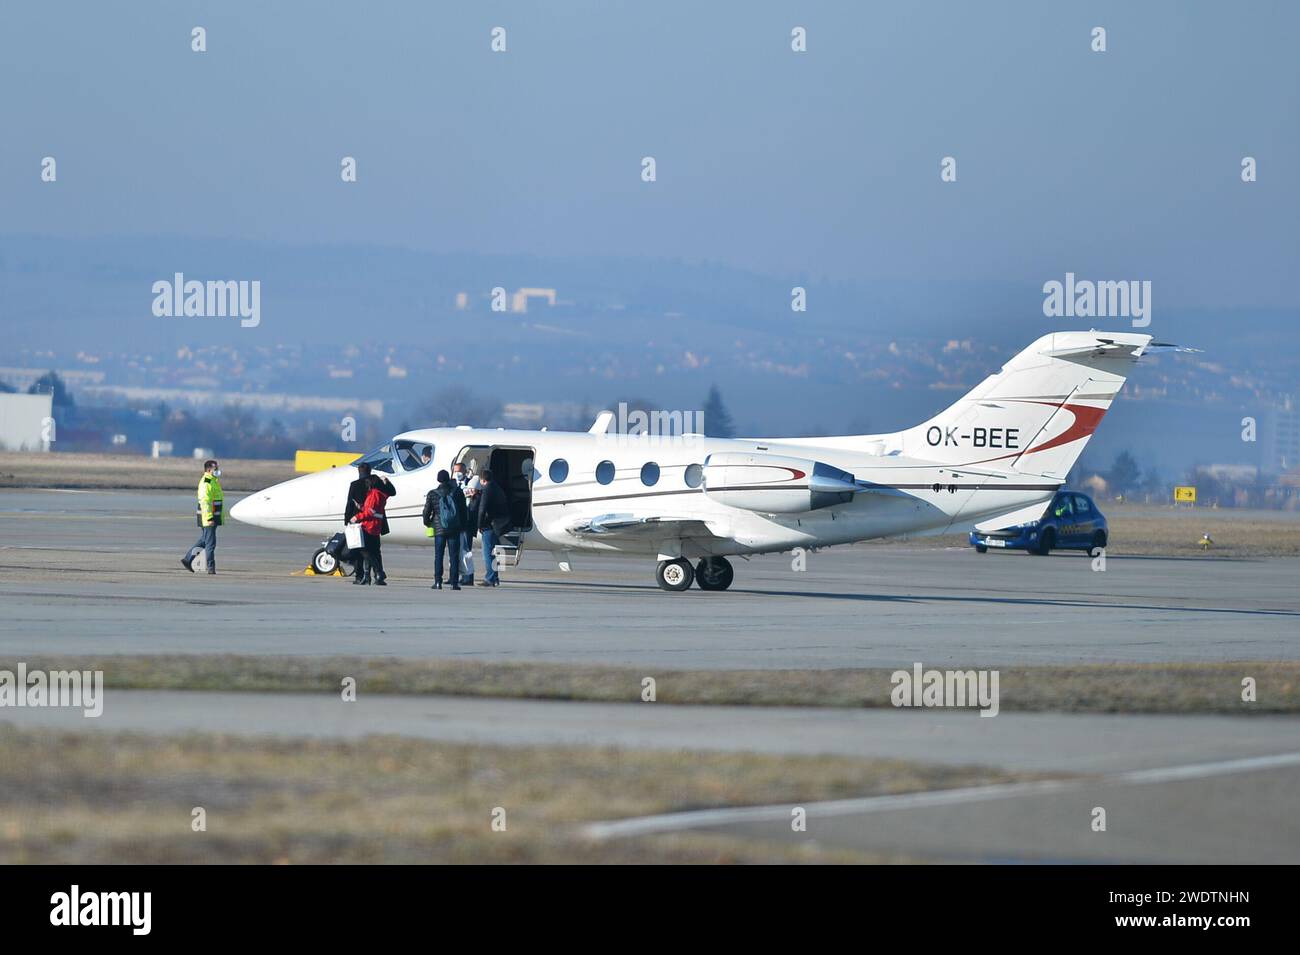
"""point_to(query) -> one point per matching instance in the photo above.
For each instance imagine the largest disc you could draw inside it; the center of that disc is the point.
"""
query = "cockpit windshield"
(379, 459)
(414, 455)
(410, 455)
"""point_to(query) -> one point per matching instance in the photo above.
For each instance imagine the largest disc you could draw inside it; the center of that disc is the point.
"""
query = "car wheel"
(675, 575)
(981, 548)
(1098, 544)
(323, 562)
(1045, 543)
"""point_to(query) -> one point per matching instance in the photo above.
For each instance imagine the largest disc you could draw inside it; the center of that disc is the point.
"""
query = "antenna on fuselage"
(602, 423)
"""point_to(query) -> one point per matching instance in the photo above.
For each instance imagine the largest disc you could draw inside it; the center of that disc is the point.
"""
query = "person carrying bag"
(372, 522)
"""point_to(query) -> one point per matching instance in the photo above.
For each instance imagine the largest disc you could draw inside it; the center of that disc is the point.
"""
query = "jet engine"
(774, 484)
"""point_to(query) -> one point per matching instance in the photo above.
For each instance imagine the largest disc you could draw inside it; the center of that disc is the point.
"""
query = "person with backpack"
(445, 512)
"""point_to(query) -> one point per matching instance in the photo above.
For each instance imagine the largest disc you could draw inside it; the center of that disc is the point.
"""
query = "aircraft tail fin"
(1035, 415)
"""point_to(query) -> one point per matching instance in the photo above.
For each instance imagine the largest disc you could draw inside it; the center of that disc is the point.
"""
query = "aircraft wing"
(631, 526)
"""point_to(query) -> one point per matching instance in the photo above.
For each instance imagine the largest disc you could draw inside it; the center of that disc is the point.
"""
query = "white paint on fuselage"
(314, 504)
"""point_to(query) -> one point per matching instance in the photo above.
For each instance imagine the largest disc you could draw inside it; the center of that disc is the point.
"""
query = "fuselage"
(560, 482)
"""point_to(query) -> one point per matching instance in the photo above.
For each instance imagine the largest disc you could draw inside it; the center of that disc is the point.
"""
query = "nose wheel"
(714, 573)
(323, 562)
(675, 574)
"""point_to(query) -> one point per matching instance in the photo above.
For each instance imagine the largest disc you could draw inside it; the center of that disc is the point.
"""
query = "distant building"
(24, 378)
(520, 415)
(1229, 473)
(519, 301)
(26, 422)
(1280, 437)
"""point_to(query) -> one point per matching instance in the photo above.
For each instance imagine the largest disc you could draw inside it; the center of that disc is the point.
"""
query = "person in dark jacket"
(371, 518)
(469, 487)
(493, 521)
(357, 492)
(444, 511)
(469, 533)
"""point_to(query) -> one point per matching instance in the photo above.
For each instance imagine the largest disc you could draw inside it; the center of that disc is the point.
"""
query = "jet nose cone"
(253, 509)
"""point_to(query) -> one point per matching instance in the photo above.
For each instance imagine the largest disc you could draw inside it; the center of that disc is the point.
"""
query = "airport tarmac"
(1073, 743)
(1174, 788)
(1231, 812)
(97, 572)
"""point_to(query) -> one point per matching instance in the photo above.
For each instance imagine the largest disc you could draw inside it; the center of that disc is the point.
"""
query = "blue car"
(1071, 522)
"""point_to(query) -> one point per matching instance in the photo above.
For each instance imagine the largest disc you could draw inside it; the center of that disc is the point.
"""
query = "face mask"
(216, 472)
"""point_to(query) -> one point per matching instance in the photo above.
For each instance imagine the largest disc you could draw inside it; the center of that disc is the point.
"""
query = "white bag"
(352, 536)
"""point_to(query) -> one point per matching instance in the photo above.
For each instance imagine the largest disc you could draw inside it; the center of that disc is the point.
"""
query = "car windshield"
(414, 455)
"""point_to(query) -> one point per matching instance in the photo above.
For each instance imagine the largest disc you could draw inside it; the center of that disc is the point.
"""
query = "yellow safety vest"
(208, 510)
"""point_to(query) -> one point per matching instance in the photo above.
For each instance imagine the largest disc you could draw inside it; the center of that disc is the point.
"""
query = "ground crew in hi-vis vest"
(208, 511)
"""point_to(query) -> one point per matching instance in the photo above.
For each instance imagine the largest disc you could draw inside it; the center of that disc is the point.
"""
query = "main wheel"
(1046, 543)
(714, 573)
(323, 562)
(675, 574)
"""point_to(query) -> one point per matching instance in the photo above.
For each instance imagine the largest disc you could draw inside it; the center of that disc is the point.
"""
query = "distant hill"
(869, 355)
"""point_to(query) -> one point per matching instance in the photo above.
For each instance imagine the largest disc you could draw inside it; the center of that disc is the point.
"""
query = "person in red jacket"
(371, 519)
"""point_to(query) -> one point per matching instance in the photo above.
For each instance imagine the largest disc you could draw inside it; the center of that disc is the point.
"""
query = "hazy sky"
(1123, 164)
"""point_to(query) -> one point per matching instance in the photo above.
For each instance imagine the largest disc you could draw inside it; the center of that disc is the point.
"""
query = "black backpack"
(450, 517)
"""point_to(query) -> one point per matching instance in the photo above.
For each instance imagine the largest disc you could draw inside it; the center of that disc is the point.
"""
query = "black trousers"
(374, 562)
(450, 544)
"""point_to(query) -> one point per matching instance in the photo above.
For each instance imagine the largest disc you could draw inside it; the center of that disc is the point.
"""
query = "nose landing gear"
(323, 562)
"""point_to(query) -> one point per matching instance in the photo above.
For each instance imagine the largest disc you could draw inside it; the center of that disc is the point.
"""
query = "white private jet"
(1000, 453)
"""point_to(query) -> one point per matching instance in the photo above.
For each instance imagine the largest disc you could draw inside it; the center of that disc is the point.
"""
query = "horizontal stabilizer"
(1024, 515)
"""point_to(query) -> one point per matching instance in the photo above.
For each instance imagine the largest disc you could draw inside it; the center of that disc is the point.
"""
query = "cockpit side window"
(379, 459)
(413, 455)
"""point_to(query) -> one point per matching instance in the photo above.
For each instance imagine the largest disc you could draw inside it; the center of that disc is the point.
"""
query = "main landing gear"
(711, 573)
(714, 573)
